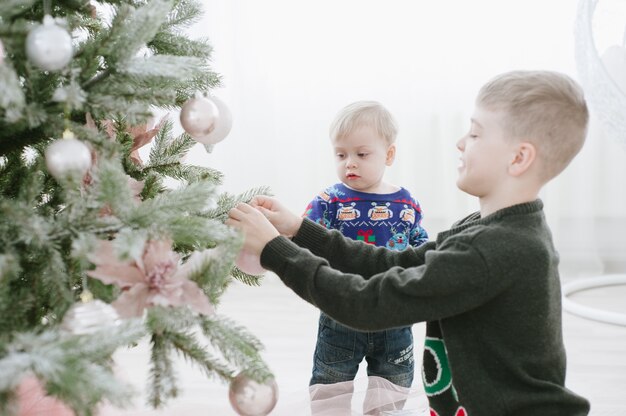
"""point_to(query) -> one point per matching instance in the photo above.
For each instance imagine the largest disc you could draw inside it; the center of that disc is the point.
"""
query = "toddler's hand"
(257, 229)
(286, 222)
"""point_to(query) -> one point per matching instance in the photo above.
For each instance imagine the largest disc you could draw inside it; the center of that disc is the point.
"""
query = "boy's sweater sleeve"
(449, 281)
(339, 251)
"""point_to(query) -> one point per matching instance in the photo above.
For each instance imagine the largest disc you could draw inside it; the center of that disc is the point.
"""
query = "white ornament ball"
(249, 263)
(222, 124)
(49, 46)
(614, 60)
(68, 157)
(89, 317)
(250, 398)
(197, 116)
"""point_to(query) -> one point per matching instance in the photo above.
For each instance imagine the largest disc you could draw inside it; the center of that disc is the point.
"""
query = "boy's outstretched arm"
(449, 282)
(265, 218)
(318, 240)
(335, 249)
(339, 251)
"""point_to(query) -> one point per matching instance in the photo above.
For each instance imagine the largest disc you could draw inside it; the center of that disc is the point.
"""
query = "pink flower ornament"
(155, 279)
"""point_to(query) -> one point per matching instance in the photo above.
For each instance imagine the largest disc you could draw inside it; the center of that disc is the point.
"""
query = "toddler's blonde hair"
(364, 113)
(544, 108)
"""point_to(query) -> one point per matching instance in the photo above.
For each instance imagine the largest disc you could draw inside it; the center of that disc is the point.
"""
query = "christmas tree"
(98, 250)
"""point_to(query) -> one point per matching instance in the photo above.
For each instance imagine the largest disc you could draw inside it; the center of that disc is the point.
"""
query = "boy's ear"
(525, 155)
(391, 155)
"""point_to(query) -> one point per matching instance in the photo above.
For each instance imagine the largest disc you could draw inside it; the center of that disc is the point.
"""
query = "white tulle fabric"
(363, 396)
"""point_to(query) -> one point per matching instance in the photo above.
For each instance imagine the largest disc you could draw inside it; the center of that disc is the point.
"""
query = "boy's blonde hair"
(544, 108)
(364, 113)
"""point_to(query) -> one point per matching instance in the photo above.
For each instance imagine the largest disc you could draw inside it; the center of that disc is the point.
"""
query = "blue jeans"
(340, 350)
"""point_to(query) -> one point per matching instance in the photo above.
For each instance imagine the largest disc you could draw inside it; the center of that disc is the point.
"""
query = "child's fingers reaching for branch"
(258, 231)
(286, 222)
(263, 201)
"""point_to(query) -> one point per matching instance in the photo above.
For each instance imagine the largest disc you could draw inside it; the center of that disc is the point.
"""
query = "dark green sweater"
(490, 286)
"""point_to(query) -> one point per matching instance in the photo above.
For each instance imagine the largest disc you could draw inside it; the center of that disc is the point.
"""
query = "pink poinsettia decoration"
(141, 134)
(155, 279)
(32, 400)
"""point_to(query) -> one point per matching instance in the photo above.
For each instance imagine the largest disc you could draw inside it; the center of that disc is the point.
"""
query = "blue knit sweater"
(388, 220)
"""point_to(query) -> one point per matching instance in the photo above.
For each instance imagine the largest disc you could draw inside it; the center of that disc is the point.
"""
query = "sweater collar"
(369, 196)
(476, 219)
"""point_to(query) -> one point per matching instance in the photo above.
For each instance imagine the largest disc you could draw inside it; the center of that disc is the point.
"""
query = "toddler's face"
(361, 158)
(485, 154)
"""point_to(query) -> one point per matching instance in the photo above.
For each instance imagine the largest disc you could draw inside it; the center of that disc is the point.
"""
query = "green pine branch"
(184, 14)
(192, 199)
(186, 345)
(227, 201)
(168, 43)
(131, 29)
(162, 377)
(236, 344)
(12, 8)
(248, 279)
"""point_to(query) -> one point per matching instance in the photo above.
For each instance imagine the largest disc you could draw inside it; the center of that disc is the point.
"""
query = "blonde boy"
(363, 206)
(489, 286)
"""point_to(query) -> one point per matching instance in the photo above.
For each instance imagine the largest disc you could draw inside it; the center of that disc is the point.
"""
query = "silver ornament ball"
(49, 46)
(222, 124)
(89, 317)
(68, 158)
(250, 398)
(197, 116)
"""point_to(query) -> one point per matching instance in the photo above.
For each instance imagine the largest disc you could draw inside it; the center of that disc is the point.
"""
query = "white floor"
(287, 327)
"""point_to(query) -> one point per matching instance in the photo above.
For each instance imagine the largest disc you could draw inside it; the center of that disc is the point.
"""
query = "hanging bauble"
(249, 263)
(89, 316)
(197, 116)
(222, 124)
(68, 157)
(614, 60)
(49, 46)
(250, 398)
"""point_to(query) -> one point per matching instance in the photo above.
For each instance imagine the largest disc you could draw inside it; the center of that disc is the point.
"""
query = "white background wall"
(288, 66)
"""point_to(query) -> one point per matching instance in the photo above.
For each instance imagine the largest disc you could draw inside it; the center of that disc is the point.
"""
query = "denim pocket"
(399, 343)
(336, 342)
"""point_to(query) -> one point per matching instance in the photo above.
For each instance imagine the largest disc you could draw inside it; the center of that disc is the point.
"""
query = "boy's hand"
(286, 222)
(258, 231)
